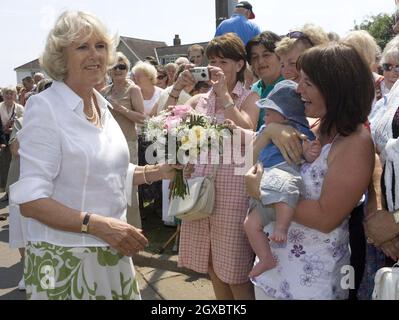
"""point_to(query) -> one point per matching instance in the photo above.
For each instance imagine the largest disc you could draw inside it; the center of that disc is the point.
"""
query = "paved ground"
(159, 276)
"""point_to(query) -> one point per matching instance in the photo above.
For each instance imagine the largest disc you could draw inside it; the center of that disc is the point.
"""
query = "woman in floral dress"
(312, 263)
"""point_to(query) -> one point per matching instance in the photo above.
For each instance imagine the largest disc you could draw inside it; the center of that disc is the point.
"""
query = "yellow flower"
(198, 134)
(185, 142)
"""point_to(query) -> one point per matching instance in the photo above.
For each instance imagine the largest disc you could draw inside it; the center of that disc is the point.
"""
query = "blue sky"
(25, 23)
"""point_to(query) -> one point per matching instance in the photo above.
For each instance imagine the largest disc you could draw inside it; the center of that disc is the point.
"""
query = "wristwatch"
(85, 223)
(396, 217)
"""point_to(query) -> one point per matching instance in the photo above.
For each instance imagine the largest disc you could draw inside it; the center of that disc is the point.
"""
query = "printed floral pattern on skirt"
(52, 272)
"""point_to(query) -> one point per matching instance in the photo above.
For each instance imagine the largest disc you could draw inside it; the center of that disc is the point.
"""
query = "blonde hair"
(363, 43)
(9, 89)
(314, 33)
(148, 69)
(121, 56)
(391, 51)
(43, 84)
(182, 60)
(67, 29)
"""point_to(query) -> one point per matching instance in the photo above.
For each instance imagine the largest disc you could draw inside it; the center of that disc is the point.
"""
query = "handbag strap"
(214, 171)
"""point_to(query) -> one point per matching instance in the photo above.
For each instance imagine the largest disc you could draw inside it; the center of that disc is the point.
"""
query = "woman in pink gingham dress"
(218, 245)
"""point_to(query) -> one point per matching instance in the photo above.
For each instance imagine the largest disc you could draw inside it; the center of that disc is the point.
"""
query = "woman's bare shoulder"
(357, 143)
(133, 87)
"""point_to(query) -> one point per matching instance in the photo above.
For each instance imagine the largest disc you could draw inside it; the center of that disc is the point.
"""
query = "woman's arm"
(193, 101)
(381, 227)
(286, 138)
(119, 235)
(374, 199)
(41, 157)
(350, 166)
(184, 80)
(133, 116)
(152, 173)
(137, 115)
(247, 116)
(136, 98)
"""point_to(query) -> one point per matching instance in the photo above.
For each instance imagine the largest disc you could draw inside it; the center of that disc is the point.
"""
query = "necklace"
(93, 111)
(95, 117)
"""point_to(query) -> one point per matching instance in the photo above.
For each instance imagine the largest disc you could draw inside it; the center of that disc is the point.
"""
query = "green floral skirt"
(79, 273)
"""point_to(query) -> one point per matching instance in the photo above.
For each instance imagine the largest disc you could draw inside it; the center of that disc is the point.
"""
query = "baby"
(281, 184)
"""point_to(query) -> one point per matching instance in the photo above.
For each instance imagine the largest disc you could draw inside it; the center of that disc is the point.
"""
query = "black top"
(3, 138)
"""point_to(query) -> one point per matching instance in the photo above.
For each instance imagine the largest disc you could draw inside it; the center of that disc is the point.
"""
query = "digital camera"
(200, 73)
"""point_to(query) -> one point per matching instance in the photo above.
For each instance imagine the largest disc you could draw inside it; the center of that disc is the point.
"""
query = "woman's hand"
(252, 181)
(121, 236)
(185, 79)
(380, 227)
(168, 171)
(391, 248)
(287, 139)
(134, 116)
(218, 81)
(230, 124)
(116, 106)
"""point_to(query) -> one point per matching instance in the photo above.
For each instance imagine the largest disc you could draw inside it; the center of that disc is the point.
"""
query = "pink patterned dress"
(220, 240)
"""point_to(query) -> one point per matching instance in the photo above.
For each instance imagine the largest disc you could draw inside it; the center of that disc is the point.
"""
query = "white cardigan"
(388, 147)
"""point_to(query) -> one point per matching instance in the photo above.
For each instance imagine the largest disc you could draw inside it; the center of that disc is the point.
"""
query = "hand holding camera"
(218, 80)
(200, 73)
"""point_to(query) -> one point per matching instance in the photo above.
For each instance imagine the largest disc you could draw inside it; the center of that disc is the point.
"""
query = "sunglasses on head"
(161, 76)
(120, 66)
(390, 67)
(300, 36)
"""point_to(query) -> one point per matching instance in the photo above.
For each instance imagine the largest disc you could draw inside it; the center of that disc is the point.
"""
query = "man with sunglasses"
(239, 23)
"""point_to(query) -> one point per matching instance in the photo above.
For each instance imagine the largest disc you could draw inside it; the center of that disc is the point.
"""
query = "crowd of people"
(322, 117)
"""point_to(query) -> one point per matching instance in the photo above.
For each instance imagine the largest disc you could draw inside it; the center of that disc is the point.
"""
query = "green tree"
(380, 27)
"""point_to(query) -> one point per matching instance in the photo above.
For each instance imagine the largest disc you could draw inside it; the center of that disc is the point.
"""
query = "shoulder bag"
(198, 203)
(386, 283)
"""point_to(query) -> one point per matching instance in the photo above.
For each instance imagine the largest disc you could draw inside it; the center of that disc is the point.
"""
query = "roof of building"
(142, 48)
(138, 48)
(177, 50)
(34, 64)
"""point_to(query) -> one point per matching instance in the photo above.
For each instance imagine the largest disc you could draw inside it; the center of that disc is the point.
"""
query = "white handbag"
(386, 283)
(198, 203)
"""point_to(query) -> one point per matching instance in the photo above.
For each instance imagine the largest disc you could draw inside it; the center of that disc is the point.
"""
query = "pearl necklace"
(94, 118)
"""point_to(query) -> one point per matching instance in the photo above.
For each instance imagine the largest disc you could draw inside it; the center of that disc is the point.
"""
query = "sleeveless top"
(123, 98)
(309, 264)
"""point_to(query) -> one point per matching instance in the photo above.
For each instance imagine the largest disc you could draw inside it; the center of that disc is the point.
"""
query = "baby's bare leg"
(284, 214)
(260, 244)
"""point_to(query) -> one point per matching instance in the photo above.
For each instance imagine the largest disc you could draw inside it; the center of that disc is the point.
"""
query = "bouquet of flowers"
(182, 134)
